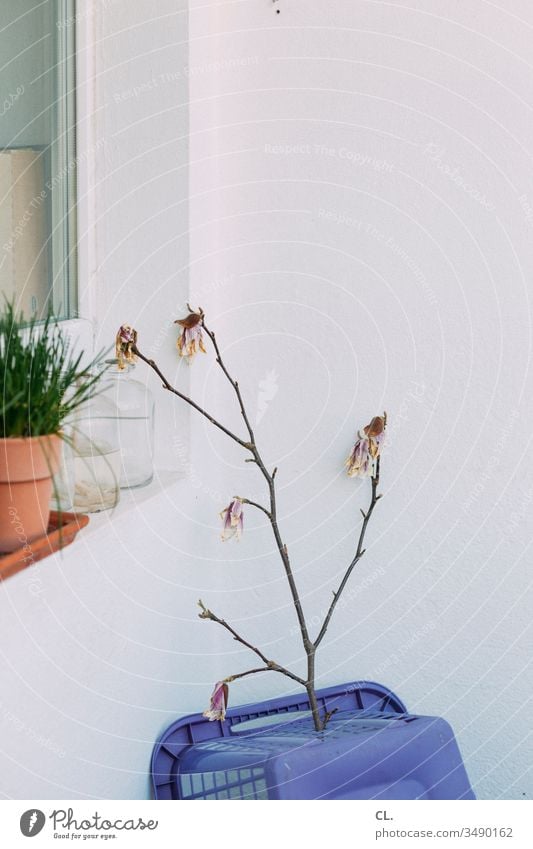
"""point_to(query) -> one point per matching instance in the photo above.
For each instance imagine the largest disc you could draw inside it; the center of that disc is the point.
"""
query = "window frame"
(79, 322)
(56, 151)
(85, 95)
(64, 162)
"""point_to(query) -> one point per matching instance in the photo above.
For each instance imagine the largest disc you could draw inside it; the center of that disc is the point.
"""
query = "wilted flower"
(190, 340)
(232, 519)
(362, 461)
(125, 340)
(219, 703)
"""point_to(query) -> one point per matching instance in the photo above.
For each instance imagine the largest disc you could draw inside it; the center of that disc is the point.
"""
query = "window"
(38, 261)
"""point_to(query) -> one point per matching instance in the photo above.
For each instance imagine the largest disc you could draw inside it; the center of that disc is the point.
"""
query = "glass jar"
(134, 405)
(96, 450)
(63, 481)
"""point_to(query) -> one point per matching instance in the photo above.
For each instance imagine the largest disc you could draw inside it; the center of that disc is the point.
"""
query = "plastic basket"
(371, 749)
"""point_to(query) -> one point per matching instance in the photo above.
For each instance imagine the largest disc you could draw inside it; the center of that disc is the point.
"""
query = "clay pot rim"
(27, 458)
(57, 435)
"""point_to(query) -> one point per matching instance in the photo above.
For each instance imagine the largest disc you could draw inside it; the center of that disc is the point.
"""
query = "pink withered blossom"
(219, 703)
(233, 519)
(125, 340)
(362, 461)
(190, 340)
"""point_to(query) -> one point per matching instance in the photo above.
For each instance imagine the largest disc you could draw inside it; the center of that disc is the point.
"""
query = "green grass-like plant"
(43, 383)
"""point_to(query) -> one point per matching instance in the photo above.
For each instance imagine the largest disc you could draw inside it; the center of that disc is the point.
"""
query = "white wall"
(352, 262)
(89, 659)
(134, 177)
(364, 201)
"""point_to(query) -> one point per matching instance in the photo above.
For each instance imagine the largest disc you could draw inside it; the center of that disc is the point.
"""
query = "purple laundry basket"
(371, 749)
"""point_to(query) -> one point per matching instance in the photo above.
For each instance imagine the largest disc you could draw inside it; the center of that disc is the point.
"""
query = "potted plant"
(188, 762)
(43, 383)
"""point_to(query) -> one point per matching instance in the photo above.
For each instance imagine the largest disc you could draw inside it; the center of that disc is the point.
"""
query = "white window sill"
(130, 499)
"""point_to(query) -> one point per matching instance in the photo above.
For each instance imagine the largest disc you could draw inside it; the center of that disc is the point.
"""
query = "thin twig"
(327, 716)
(233, 382)
(153, 365)
(270, 664)
(358, 554)
(257, 459)
(255, 504)
(309, 648)
(231, 678)
(272, 514)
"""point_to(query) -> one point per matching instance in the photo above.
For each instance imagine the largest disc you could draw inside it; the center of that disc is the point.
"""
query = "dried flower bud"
(218, 703)
(205, 614)
(190, 321)
(376, 426)
(362, 461)
(125, 340)
(232, 520)
(190, 340)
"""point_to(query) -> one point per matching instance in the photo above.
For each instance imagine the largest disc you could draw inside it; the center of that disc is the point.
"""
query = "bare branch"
(153, 365)
(358, 554)
(233, 382)
(255, 504)
(271, 512)
(327, 716)
(249, 672)
(270, 664)
(282, 548)
(272, 490)
(272, 667)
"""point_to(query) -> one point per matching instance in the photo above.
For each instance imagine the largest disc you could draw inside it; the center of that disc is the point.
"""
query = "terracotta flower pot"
(26, 469)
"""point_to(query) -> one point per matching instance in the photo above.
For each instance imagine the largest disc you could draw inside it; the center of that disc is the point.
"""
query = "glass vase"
(134, 406)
